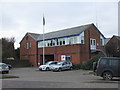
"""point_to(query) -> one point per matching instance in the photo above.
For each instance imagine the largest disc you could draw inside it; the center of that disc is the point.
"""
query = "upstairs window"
(27, 45)
(27, 38)
(82, 39)
(101, 40)
(93, 42)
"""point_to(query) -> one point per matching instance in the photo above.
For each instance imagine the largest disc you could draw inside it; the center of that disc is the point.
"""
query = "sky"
(18, 18)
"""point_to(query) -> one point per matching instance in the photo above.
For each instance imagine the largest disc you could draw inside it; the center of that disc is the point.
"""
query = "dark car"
(107, 67)
(10, 66)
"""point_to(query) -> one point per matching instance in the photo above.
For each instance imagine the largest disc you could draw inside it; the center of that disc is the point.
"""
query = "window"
(27, 45)
(30, 44)
(101, 40)
(75, 40)
(40, 44)
(53, 42)
(113, 62)
(81, 36)
(93, 42)
(50, 42)
(82, 39)
(57, 42)
(103, 62)
(71, 40)
(61, 41)
(27, 38)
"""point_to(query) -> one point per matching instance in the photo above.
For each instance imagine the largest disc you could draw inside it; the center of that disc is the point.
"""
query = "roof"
(62, 33)
(107, 40)
(118, 37)
(66, 32)
(34, 35)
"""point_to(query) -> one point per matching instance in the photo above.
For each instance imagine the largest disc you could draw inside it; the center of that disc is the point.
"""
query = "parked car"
(62, 66)
(4, 68)
(108, 67)
(10, 58)
(10, 66)
(47, 66)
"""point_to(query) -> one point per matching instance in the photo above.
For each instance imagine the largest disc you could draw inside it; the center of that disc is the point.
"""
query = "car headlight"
(7, 67)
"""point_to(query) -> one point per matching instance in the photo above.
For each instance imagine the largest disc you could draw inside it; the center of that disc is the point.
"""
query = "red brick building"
(112, 47)
(76, 44)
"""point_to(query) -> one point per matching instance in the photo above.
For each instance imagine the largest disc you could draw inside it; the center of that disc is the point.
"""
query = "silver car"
(47, 66)
(62, 66)
(4, 68)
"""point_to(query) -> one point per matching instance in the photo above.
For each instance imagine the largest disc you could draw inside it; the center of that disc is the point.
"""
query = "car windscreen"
(59, 63)
(51, 63)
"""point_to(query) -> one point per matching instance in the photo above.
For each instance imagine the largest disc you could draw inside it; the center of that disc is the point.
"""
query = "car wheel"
(107, 76)
(71, 68)
(9, 67)
(7, 72)
(59, 69)
(47, 69)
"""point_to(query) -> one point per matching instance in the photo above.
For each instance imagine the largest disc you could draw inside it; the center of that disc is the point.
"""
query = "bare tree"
(8, 47)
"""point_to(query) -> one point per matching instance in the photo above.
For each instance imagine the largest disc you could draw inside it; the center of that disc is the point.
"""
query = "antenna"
(96, 15)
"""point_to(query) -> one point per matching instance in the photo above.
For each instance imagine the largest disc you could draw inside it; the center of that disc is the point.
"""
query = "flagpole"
(43, 41)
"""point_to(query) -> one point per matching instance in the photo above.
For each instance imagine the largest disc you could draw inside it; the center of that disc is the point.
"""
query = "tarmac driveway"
(31, 78)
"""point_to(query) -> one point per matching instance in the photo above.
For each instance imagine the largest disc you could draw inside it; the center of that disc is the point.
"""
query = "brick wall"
(30, 53)
(78, 52)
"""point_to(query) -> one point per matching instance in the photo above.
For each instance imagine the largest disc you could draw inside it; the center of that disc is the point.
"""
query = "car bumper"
(4, 71)
(42, 69)
(54, 69)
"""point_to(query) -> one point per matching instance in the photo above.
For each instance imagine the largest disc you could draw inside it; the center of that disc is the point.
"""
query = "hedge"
(88, 65)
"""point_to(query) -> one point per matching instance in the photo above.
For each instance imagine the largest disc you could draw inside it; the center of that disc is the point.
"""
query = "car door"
(68, 65)
(64, 66)
(114, 66)
(102, 66)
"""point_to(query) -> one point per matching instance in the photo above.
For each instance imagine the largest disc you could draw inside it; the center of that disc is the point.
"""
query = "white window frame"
(102, 42)
(93, 43)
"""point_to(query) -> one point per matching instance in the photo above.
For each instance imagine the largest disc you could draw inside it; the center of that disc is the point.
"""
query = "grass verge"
(4, 76)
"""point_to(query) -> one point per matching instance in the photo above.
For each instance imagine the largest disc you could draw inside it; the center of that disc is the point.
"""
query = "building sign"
(68, 58)
(65, 58)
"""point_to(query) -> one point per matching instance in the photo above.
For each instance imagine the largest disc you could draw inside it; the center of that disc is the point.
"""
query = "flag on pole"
(43, 20)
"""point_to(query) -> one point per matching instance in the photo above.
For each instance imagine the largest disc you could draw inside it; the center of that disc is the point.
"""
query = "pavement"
(32, 78)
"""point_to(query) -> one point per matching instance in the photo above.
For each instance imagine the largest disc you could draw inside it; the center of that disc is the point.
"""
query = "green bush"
(76, 66)
(88, 65)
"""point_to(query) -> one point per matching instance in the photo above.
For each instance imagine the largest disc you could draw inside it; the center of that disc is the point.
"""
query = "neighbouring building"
(112, 47)
(76, 44)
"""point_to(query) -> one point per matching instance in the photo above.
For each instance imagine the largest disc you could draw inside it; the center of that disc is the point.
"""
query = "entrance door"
(47, 58)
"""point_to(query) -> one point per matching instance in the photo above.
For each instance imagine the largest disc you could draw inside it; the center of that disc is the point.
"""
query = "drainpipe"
(89, 44)
(37, 53)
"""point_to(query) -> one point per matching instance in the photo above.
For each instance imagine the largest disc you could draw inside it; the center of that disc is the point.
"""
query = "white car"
(62, 66)
(47, 66)
(4, 68)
